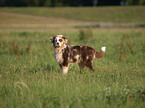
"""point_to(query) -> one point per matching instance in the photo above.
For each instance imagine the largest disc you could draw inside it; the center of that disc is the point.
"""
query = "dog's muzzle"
(57, 45)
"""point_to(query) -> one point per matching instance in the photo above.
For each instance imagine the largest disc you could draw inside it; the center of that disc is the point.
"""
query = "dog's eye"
(60, 40)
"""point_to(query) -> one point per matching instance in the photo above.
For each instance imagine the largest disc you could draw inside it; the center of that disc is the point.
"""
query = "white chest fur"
(58, 56)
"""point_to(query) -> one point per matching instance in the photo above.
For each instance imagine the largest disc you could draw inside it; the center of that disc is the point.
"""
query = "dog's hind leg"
(90, 66)
(81, 65)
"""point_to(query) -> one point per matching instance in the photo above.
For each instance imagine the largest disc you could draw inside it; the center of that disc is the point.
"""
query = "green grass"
(98, 14)
(30, 76)
(34, 79)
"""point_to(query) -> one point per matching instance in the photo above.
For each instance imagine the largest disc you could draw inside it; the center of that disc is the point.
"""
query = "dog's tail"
(101, 53)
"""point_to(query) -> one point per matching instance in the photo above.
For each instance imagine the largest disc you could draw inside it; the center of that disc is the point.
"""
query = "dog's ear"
(65, 39)
(52, 39)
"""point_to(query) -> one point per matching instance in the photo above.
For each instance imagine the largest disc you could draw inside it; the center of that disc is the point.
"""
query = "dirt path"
(20, 22)
(70, 21)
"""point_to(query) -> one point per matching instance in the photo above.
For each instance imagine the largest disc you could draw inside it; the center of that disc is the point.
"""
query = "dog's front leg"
(65, 69)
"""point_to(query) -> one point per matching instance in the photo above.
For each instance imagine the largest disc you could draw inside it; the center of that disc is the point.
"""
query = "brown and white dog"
(65, 55)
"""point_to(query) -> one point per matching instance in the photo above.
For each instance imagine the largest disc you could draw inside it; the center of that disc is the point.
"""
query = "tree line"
(53, 3)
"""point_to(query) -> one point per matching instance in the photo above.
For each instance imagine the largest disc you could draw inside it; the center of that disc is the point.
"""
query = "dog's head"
(58, 41)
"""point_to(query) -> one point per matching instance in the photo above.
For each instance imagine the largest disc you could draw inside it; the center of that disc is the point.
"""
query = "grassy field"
(107, 14)
(30, 76)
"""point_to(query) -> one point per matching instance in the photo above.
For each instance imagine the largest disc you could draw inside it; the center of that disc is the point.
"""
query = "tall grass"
(35, 80)
(85, 34)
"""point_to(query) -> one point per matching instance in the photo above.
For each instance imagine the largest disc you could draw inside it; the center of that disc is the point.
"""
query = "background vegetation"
(118, 14)
(53, 3)
(30, 76)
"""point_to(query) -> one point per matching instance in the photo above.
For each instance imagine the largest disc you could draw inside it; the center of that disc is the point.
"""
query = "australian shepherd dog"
(82, 55)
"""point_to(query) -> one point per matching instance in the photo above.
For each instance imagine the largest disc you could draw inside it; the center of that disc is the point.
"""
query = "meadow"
(30, 76)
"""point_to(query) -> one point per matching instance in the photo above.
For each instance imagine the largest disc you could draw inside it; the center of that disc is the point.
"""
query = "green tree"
(53, 3)
(135, 2)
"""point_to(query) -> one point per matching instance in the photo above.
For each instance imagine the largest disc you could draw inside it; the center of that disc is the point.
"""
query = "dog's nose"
(57, 44)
